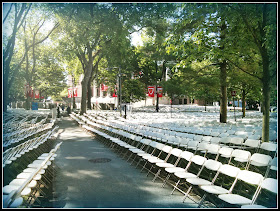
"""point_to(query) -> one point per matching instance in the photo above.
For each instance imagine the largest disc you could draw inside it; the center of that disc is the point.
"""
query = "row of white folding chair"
(238, 155)
(194, 179)
(17, 123)
(12, 154)
(224, 191)
(29, 182)
(27, 133)
(156, 175)
(22, 158)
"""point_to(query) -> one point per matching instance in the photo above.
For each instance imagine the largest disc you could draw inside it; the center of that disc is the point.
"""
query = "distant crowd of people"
(62, 107)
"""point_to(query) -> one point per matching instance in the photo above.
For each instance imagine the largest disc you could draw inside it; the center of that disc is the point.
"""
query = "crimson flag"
(37, 94)
(75, 92)
(70, 92)
(151, 91)
(104, 87)
(159, 91)
(114, 94)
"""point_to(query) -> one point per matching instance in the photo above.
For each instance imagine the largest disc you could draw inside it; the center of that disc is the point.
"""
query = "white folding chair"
(258, 161)
(192, 170)
(240, 157)
(224, 154)
(206, 177)
(272, 170)
(172, 161)
(164, 155)
(267, 195)
(268, 148)
(243, 195)
(182, 165)
(236, 142)
(224, 182)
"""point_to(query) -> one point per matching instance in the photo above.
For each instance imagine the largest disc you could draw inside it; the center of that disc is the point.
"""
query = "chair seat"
(250, 206)
(241, 160)
(156, 160)
(235, 199)
(16, 203)
(9, 188)
(40, 162)
(19, 182)
(255, 163)
(214, 189)
(31, 170)
(36, 165)
(174, 169)
(7, 162)
(136, 150)
(27, 175)
(184, 174)
(198, 181)
(164, 165)
(145, 155)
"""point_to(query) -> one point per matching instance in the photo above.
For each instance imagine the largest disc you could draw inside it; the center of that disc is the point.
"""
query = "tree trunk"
(84, 96)
(85, 81)
(243, 103)
(266, 98)
(89, 95)
(223, 76)
(223, 100)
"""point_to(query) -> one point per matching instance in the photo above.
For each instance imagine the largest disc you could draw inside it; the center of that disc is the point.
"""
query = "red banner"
(151, 91)
(104, 87)
(37, 94)
(70, 94)
(75, 92)
(159, 91)
(115, 93)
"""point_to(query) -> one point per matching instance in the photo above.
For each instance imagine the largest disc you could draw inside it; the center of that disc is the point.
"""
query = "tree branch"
(244, 70)
(8, 13)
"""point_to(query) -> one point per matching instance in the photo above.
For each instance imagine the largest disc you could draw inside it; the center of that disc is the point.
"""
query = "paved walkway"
(114, 184)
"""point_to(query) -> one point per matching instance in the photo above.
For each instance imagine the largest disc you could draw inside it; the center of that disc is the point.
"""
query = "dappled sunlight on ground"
(83, 174)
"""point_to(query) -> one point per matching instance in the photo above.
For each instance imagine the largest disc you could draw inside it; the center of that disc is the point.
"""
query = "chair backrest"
(176, 152)
(153, 144)
(239, 153)
(199, 160)
(214, 148)
(192, 144)
(166, 148)
(226, 151)
(186, 155)
(214, 133)
(270, 184)
(273, 163)
(207, 138)
(261, 158)
(202, 146)
(215, 140)
(236, 140)
(229, 170)
(252, 143)
(212, 164)
(160, 145)
(225, 140)
(197, 137)
(146, 141)
(250, 177)
(269, 146)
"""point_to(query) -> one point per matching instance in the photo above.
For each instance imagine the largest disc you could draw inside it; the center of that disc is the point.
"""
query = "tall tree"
(20, 13)
(258, 25)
